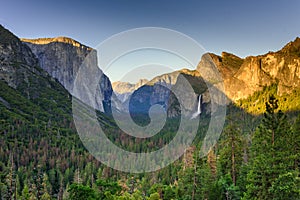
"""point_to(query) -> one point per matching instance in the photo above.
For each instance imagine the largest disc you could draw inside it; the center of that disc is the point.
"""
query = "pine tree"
(46, 188)
(18, 187)
(186, 183)
(154, 196)
(231, 152)
(286, 186)
(212, 162)
(11, 178)
(106, 187)
(77, 177)
(295, 144)
(3, 191)
(46, 196)
(79, 192)
(25, 193)
(205, 180)
(269, 153)
(33, 192)
(38, 178)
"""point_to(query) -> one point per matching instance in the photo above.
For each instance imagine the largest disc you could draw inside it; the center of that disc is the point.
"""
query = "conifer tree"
(269, 153)
(231, 152)
(295, 144)
(77, 177)
(11, 178)
(46, 187)
(25, 192)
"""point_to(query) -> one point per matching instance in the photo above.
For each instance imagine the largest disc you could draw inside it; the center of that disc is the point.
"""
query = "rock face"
(243, 77)
(124, 89)
(18, 65)
(62, 57)
(22, 80)
(159, 91)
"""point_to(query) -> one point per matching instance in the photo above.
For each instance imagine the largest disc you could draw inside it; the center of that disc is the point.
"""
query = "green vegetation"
(255, 104)
(273, 157)
(42, 159)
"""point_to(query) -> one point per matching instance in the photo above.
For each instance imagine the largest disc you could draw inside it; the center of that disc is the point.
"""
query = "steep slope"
(124, 89)
(158, 91)
(243, 77)
(37, 133)
(62, 57)
(27, 91)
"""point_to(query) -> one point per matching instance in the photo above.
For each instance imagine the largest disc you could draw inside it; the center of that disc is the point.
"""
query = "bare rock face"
(159, 91)
(19, 69)
(123, 90)
(62, 57)
(17, 62)
(240, 77)
(243, 77)
(125, 87)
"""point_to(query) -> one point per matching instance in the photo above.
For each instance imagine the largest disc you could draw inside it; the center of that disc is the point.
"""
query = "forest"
(256, 157)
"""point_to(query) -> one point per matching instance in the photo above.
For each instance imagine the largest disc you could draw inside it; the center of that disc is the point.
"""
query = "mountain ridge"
(242, 77)
(60, 39)
(62, 58)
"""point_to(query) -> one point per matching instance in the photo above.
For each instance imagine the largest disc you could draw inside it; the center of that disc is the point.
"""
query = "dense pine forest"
(256, 158)
(42, 156)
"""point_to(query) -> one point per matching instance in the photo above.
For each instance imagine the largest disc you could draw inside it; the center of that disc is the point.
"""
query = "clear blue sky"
(240, 27)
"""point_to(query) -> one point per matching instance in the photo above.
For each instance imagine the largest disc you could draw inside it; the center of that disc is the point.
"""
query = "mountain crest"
(292, 48)
(60, 39)
(61, 58)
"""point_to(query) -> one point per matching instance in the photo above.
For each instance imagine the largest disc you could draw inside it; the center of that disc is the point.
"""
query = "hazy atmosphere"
(150, 100)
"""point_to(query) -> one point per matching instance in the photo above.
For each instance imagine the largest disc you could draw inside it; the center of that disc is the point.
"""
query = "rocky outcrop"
(243, 77)
(18, 65)
(124, 89)
(159, 91)
(62, 57)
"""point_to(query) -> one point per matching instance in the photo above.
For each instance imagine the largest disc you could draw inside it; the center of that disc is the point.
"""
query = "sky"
(240, 27)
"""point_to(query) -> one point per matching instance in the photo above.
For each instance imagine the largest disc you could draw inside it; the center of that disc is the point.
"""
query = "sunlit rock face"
(123, 90)
(62, 57)
(243, 77)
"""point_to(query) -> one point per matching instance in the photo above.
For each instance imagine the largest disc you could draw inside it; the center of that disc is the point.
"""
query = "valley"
(43, 157)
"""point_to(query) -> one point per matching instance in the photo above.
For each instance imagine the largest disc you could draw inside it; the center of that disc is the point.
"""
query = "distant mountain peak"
(126, 87)
(60, 39)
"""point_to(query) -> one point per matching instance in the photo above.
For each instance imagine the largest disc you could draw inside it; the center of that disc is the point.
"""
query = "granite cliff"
(62, 57)
(124, 89)
(243, 77)
(19, 68)
(159, 91)
(17, 62)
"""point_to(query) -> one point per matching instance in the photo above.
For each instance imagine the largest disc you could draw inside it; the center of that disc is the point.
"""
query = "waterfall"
(198, 108)
(199, 105)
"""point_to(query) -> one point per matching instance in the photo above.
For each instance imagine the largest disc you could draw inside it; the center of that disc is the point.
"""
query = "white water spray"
(198, 108)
